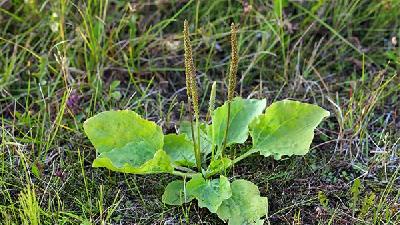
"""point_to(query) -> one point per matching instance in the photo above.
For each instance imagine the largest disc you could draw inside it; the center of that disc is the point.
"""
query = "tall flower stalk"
(231, 79)
(192, 93)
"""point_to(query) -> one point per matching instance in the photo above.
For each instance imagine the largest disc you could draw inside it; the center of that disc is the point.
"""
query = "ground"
(64, 61)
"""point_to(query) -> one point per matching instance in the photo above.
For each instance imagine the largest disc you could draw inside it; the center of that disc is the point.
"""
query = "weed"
(130, 144)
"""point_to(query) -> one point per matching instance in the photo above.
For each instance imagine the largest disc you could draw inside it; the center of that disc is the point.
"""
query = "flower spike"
(234, 63)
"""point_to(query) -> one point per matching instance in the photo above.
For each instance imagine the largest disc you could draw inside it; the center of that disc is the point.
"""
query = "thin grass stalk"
(231, 80)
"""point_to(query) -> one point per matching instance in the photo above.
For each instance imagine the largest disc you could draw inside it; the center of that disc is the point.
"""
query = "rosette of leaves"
(126, 142)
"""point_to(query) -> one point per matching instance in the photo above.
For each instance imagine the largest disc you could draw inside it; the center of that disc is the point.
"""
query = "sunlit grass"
(59, 59)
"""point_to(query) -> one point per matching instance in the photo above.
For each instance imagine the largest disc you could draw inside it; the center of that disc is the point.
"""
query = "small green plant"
(199, 153)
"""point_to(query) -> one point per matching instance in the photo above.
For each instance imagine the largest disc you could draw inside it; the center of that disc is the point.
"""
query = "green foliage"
(41, 64)
(209, 193)
(175, 193)
(30, 209)
(355, 194)
(323, 200)
(130, 144)
(115, 129)
(243, 111)
(245, 206)
(127, 143)
(205, 138)
(218, 165)
(286, 128)
(367, 204)
(180, 149)
(121, 162)
(278, 7)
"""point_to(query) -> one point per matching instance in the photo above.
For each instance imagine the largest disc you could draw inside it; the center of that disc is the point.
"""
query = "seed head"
(188, 56)
(190, 70)
(234, 63)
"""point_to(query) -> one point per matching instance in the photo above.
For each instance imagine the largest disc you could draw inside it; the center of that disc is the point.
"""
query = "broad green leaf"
(245, 206)
(127, 143)
(205, 139)
(174, 193)
(124, 162)
(259, 222)
(217, 166)
(115, 129)
(209, 193)
(180, 149)
(243, 111)
(286, 128)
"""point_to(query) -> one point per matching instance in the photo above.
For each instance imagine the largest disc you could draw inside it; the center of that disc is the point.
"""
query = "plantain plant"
(202, 153)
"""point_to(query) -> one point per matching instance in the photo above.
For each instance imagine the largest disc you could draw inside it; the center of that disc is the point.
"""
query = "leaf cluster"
(128, 143)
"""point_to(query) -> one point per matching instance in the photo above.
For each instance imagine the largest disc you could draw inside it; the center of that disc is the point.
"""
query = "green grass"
(64, 61)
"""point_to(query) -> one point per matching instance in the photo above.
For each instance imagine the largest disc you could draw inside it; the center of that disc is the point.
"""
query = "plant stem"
(198, 159)
(182, 174)
(184, 169)
(227, 128)
(192, 93)
(198, 142)
(243, 156)
(231, 80)
(236, 160)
